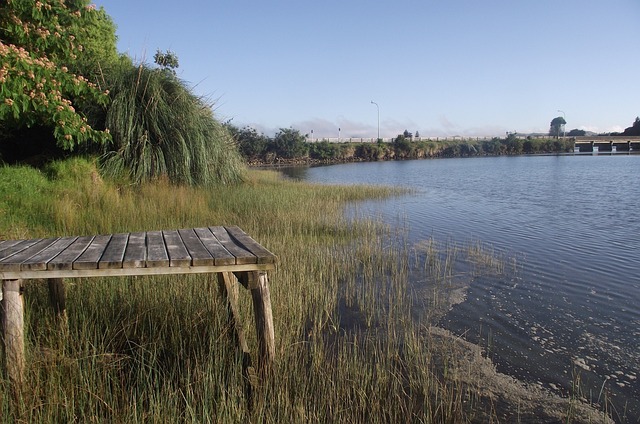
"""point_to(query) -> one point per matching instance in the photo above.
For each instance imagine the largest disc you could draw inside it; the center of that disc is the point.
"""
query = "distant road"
(605, 139)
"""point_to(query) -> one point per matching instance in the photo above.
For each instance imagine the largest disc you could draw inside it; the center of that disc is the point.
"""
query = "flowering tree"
(41, 44)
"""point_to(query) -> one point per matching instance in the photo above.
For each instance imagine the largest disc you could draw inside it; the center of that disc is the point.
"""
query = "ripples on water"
(572, 313)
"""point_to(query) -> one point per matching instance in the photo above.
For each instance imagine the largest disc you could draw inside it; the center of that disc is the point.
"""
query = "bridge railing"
(577, 139)
(391, 139)
(606, 139)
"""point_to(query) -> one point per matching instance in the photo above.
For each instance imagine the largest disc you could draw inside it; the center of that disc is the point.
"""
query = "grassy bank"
(158, 349)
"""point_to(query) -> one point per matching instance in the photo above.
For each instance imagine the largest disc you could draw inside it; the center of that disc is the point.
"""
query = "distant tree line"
(289, 145)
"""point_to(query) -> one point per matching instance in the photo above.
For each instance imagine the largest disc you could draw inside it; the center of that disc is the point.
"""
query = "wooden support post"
(264, 319)
(229, 289)
(58, 297)
(13, 330)
(226, 283)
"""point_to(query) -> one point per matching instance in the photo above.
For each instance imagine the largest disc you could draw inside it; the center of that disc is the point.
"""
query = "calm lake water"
(572, 310)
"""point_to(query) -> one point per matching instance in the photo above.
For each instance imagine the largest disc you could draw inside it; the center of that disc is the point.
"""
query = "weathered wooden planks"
(40, 260)
(178, 255)
(135, 253)
(212, 244)
(7, 244)
(243, 256)
(190, 248)
(91, 256)
(113, 255)
(157, 256)
(200, 256)
(67, 257)
(21, 252)
(261, 253)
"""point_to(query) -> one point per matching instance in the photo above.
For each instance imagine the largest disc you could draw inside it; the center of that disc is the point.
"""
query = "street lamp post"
(378, 107)
(563, 125)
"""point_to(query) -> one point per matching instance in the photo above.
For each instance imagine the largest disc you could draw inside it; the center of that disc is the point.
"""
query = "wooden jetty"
(227, 251)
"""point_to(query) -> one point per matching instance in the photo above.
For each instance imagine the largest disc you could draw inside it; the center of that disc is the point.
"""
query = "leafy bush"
(402, 145)
(252, 145)
(40, 53)
(529, 146)
(289, 144)
(468, 149)
(370, 151)
(323, 150)
(493, 146)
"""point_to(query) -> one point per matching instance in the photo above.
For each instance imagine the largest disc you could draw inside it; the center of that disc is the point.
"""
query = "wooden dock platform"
(226, 251)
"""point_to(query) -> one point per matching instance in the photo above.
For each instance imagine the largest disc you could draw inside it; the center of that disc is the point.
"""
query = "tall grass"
(161, 129)
(159, 349)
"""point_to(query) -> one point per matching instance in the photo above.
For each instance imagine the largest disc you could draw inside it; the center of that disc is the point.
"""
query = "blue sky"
(443, 68)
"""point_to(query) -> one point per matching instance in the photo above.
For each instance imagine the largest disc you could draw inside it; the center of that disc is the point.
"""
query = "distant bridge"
(607, 143)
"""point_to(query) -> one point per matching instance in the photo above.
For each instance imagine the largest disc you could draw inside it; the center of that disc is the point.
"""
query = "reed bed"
(159, 349)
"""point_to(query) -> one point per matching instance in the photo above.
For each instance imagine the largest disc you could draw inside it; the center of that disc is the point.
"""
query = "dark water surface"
(572, 315)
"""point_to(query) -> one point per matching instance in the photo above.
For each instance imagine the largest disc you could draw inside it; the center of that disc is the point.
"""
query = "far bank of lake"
(571, 313)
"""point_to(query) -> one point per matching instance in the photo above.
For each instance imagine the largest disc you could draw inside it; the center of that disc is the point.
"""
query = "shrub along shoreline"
(324, 152)
(290, 146)
(142, 349)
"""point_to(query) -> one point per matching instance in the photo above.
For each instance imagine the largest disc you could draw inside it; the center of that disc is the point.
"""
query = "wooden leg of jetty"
(57, 297)
(259, 285)
(13, 332)
(229, 289)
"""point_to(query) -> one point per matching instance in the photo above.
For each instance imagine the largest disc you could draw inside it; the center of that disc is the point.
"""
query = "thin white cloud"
(600, 130)
(447, 124)
(323, 128)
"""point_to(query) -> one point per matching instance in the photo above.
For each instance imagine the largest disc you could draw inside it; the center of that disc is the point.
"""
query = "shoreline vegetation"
(350, 347)
(290, 147)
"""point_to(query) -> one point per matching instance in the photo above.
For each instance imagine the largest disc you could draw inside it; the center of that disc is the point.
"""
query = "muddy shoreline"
(509, 399)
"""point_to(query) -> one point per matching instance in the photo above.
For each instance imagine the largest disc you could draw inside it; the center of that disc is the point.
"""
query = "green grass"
(144, 349)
